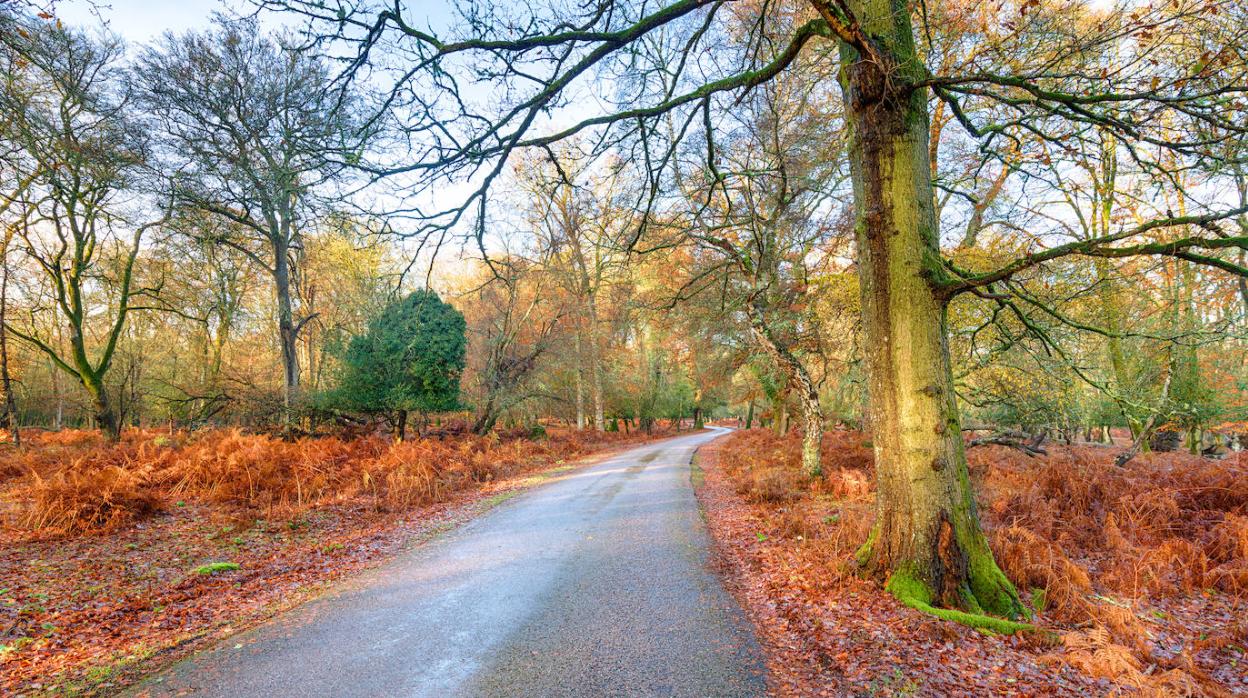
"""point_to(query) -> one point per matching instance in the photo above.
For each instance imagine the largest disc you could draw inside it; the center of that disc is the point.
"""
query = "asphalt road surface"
(595, 584)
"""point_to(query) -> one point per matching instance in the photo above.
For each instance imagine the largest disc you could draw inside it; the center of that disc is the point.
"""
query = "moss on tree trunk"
(105, 416)
(927, 541)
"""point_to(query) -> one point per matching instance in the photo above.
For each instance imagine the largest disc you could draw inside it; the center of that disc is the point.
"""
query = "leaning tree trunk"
(927, 539)
(487, 417)
(807, 391)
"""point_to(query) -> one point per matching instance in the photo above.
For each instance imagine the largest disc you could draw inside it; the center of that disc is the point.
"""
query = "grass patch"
(216, 567)
(697, 475)
(499, 498)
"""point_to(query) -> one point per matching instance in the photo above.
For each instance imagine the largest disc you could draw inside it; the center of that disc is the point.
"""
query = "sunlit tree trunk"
(9, 420)
(580, 382)
(595, 364)
(927, 540)
(807, 392)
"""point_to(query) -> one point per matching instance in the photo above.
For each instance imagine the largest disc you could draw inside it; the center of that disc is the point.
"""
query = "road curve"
(595, 584)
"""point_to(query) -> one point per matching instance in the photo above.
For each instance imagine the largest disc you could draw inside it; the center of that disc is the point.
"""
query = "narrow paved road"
(593, 585)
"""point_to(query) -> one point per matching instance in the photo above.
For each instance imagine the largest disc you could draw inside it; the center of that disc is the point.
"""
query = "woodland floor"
(86, 612)
(1138, 575)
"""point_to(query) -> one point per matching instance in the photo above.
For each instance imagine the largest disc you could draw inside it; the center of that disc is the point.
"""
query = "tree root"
(915, 594)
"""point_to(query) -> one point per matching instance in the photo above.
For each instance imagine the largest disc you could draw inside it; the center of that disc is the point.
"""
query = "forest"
(948, 301)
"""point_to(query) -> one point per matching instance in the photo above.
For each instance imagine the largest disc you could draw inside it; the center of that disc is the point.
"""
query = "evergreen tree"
(410, 359)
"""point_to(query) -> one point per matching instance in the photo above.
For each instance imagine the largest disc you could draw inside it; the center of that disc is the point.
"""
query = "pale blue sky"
(140, 21)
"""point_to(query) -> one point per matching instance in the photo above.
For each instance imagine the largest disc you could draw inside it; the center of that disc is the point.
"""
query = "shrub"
(771, 485)
(83, 499)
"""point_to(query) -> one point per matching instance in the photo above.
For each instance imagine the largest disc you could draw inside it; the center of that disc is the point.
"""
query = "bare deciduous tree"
(254, 133)
(82, 153)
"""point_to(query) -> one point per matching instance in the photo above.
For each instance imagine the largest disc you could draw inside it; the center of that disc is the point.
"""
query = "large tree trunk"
(105, 415)
(927, 539)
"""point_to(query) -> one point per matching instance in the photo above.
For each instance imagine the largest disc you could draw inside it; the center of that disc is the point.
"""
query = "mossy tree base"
(984, 598)
(914, 593)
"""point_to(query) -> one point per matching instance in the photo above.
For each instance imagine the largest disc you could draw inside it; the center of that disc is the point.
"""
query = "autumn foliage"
(1141, 572)
(73, 482)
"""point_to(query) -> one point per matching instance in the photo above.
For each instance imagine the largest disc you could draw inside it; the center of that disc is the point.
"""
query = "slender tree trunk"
(595, 362)
(58, 396)
(400, 426)
(224, 325)
(600, 420)
(9, 419)
(1186, 386)
(580, 382)
(927, 540)
(58, 415)
(286, 328)
(749, 415)
(1243, 283)
(1112, 319)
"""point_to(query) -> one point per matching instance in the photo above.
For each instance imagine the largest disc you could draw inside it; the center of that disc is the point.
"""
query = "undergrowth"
(1096, 545)
(72, 483)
